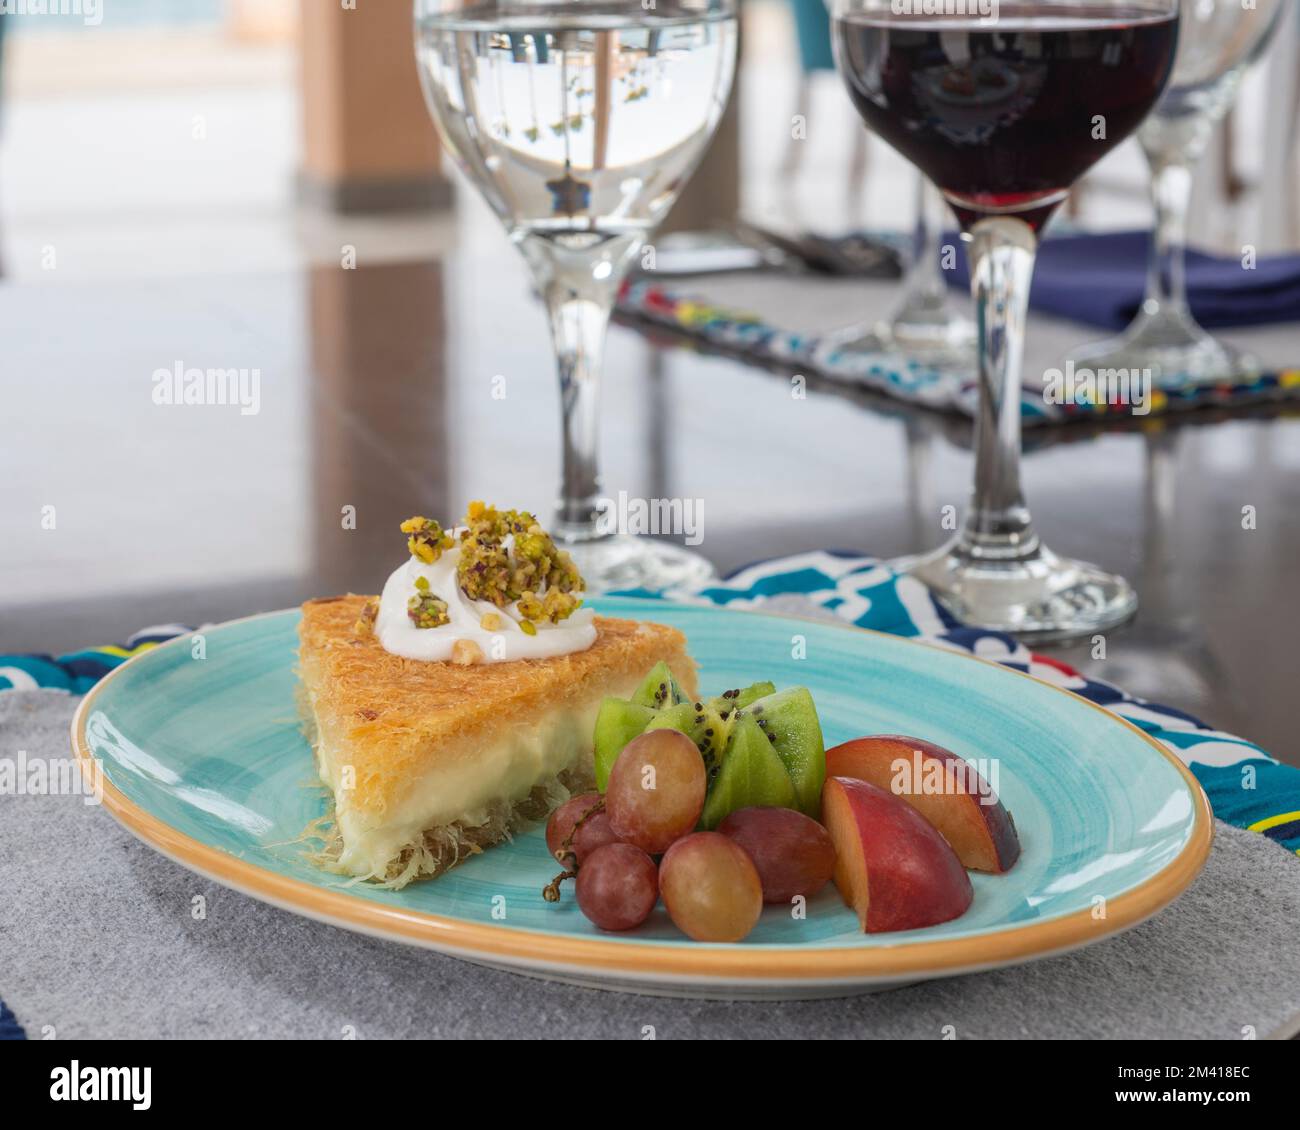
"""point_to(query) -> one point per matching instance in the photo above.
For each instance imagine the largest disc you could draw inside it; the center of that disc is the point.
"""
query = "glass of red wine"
(1004, 105)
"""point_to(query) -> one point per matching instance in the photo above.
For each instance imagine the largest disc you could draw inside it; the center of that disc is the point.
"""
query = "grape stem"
(567, 858)
(551, 892)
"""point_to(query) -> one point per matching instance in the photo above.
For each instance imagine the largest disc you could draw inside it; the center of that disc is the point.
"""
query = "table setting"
(590, 773)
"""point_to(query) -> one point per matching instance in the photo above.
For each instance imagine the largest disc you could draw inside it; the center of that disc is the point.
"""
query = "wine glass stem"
(998, 526)
(578, 326)
(1171, 191)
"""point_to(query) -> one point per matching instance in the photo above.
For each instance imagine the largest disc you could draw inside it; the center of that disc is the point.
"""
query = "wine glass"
(1004, 113)
(579, 121)
(1217, 43)
(924, 326)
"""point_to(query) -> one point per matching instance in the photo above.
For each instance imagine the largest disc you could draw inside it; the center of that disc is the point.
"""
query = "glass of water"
(579, 121)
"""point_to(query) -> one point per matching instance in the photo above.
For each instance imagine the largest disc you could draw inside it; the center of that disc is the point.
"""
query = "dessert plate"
(203, 760)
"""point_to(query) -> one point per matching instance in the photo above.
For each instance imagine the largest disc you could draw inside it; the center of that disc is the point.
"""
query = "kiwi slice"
(728, 701)
(788, 718)
(658, 689)
(702, 724)
(617, 723)
(751, 773)
(760, 746)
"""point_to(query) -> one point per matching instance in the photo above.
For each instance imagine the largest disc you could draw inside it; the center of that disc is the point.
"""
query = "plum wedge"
(947, 790)
(891, 867)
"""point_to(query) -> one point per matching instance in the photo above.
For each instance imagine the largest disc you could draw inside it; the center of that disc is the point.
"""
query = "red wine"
(1004, 117)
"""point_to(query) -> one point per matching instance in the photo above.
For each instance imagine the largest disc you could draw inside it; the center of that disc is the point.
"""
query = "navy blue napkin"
(10, 1029)
(1101, 280)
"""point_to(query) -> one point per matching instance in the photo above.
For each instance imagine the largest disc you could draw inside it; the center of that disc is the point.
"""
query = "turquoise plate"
(203, 759)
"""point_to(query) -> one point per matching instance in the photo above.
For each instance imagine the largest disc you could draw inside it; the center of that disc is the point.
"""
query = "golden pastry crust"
(391, 718)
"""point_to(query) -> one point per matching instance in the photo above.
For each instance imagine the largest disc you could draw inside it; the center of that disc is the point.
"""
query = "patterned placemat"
(791, 322)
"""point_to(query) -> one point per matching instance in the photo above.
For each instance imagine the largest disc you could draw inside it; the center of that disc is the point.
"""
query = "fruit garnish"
(789, 720)
(566, 821)
(703, 725)
(569, 840)
(751, 773)
(964, 808)
(891, 866)
(792, 853)
(759, 746)
(617, 723)
(658, 689)
(739, 698)
(618, 886)
(656, 790)
(710, 888)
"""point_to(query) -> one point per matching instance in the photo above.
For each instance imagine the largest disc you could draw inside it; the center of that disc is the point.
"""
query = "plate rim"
(763, 964)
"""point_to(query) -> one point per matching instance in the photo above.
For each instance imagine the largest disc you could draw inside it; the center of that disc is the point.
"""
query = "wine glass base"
(626, 562)
(1176, 356)
(1042, 598)
(947, 345)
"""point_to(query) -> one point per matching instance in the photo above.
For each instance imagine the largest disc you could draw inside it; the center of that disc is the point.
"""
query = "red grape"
(793, 854)
(656, 790)
(617, 886)
(560, 826)
(594, 832)
(711, 888)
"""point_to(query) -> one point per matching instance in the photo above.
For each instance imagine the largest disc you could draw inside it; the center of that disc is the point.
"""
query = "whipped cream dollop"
(508, 641)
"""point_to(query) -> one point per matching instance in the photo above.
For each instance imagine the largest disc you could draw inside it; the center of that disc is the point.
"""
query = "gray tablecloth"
(97, 939)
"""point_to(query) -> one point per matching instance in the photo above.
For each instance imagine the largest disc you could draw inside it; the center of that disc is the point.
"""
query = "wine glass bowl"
(1004, 114)
(579, 121)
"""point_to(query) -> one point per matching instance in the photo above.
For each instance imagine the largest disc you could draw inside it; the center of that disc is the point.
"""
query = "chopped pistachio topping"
(427, 611)
(426, 539)
(553, 605)
(490, 570)
(505, 558)
(366, 620)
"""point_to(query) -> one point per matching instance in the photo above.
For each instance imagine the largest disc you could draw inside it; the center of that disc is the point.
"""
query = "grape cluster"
(713, 884)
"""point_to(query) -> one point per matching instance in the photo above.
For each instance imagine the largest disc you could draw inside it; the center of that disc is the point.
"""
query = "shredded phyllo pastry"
(505, 558)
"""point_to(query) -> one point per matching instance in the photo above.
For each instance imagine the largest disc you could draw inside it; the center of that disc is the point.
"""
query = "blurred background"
(258, 183)
(209, 136)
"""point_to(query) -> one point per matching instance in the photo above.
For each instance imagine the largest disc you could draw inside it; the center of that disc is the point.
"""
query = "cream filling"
(463, 782)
